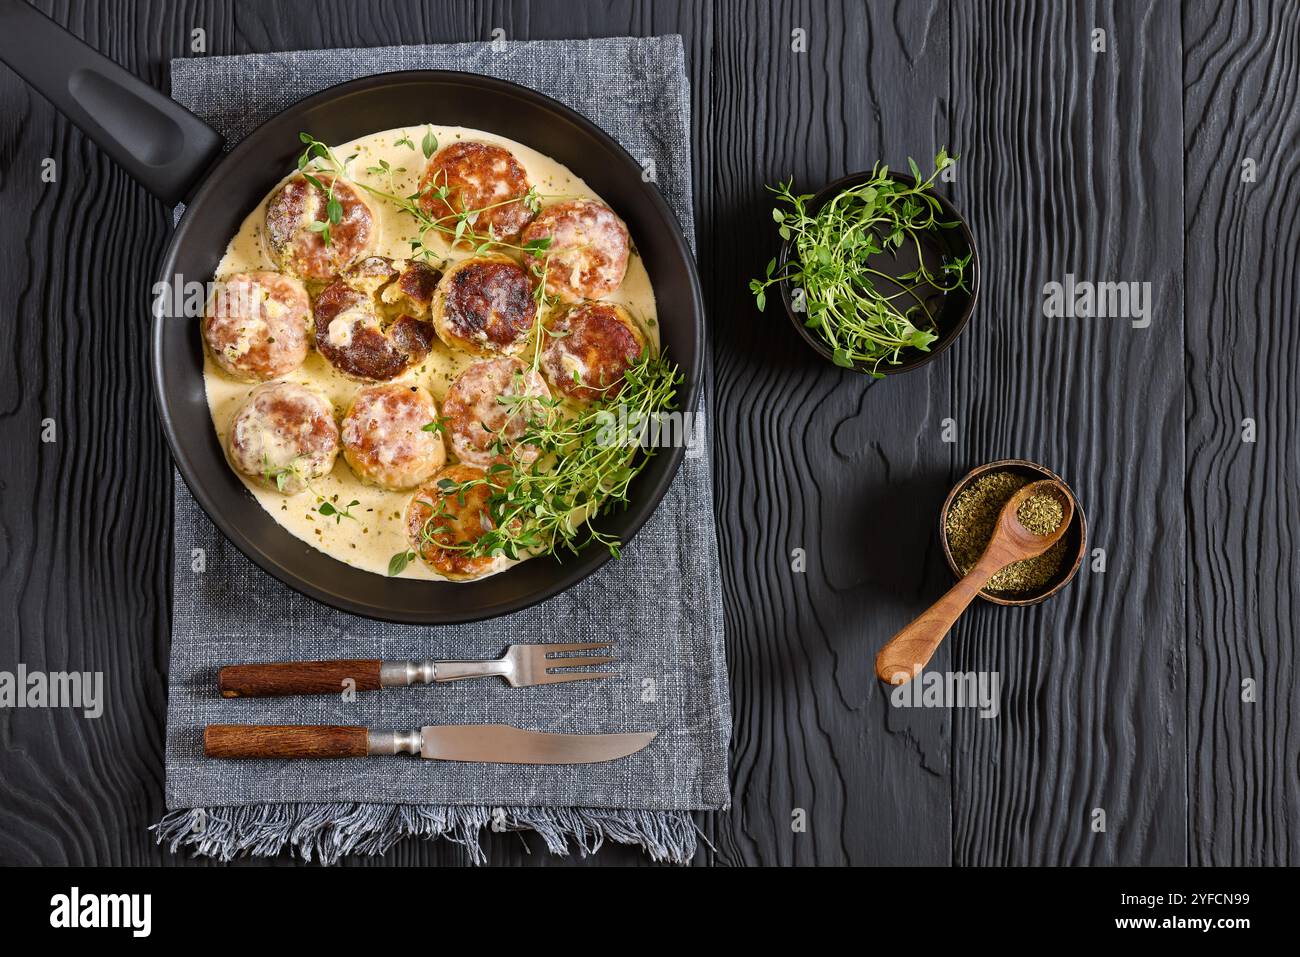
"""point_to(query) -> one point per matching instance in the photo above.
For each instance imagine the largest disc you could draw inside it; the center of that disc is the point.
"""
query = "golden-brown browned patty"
(588, 251)
(487, 410)
(372, 322)
(302, 251)
(284, 436)
(385, 439)
(470, 175)
(589, 349)
(256, 325)
(436, 520)
(484, 305)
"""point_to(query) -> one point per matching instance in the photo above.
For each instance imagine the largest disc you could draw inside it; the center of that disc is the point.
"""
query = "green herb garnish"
(457, 227)
(280, 474)
(333, 208)
(832, 263)
(584, 469)
(329, 508)
(397, 564)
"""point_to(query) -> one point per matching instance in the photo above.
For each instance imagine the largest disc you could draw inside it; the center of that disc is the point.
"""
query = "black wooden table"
(1107, 141)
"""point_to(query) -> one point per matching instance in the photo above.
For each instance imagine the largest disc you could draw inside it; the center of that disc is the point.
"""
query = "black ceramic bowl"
(1076, 536)
(953, 311)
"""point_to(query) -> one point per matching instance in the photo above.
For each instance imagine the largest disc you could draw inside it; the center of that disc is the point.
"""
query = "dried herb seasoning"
(1042, 514)
(972, 518)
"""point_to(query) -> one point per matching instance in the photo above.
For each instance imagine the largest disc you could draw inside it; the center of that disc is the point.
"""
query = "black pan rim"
(576, 568)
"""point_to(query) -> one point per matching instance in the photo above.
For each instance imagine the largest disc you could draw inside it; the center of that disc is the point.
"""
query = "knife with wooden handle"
(489, 743)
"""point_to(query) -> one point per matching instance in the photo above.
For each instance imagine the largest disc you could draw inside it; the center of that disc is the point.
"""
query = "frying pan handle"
(161, 144)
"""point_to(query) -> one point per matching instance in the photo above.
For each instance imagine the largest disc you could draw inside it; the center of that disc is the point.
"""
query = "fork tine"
(551, 678)
(548, 649)
(553, 663)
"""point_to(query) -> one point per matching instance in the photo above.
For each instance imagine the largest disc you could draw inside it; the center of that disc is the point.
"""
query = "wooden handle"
(910, 650)
(297, 677)
(284, 741)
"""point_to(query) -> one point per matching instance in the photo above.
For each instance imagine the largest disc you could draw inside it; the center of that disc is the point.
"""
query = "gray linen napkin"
(661, 601)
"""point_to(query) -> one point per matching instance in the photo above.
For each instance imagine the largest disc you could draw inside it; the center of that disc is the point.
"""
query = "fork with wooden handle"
(522, 666)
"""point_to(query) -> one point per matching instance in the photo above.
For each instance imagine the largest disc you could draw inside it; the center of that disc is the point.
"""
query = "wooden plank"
(1069, 166)
(810, 457)
(85, 567)
(1241, 78)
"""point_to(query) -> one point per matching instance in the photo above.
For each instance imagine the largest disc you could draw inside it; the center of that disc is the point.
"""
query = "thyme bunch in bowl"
(866, 315)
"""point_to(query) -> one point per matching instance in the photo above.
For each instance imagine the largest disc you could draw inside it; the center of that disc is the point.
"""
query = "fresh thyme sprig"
(536, 252)
(329, 508)
(833, 248)
(385, 169)
(585, 466)
(333, 208)
(281, 474)
(460, 229)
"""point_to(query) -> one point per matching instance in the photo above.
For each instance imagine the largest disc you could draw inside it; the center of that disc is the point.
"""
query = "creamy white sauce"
(378, 531)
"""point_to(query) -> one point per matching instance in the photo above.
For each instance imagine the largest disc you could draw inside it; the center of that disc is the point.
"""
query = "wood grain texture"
(1069, 163)
(84, 574)
(1066, 169)
(821, 469)
(298, 677)
(244, 741)
(1241, 75)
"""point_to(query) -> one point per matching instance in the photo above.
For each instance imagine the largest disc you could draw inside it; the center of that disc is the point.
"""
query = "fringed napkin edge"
(327, 832)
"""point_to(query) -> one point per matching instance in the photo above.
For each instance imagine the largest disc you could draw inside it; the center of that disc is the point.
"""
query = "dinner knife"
(491, 743)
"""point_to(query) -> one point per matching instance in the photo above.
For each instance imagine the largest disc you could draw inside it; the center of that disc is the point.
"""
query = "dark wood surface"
(1123, 694)
(1241, 80)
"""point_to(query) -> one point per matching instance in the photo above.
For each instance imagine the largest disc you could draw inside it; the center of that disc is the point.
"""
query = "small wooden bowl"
(954, 309)
(1076, 536)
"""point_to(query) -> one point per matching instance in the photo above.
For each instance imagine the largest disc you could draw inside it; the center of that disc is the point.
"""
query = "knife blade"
(508, 745)
(488, 743)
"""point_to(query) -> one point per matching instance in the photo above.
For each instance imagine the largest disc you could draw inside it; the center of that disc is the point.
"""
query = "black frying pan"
(177, 157)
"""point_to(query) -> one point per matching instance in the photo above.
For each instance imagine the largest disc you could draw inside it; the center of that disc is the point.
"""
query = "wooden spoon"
(909, 650)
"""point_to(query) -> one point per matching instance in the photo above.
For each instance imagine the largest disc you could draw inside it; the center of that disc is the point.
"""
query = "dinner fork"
(522, 666)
